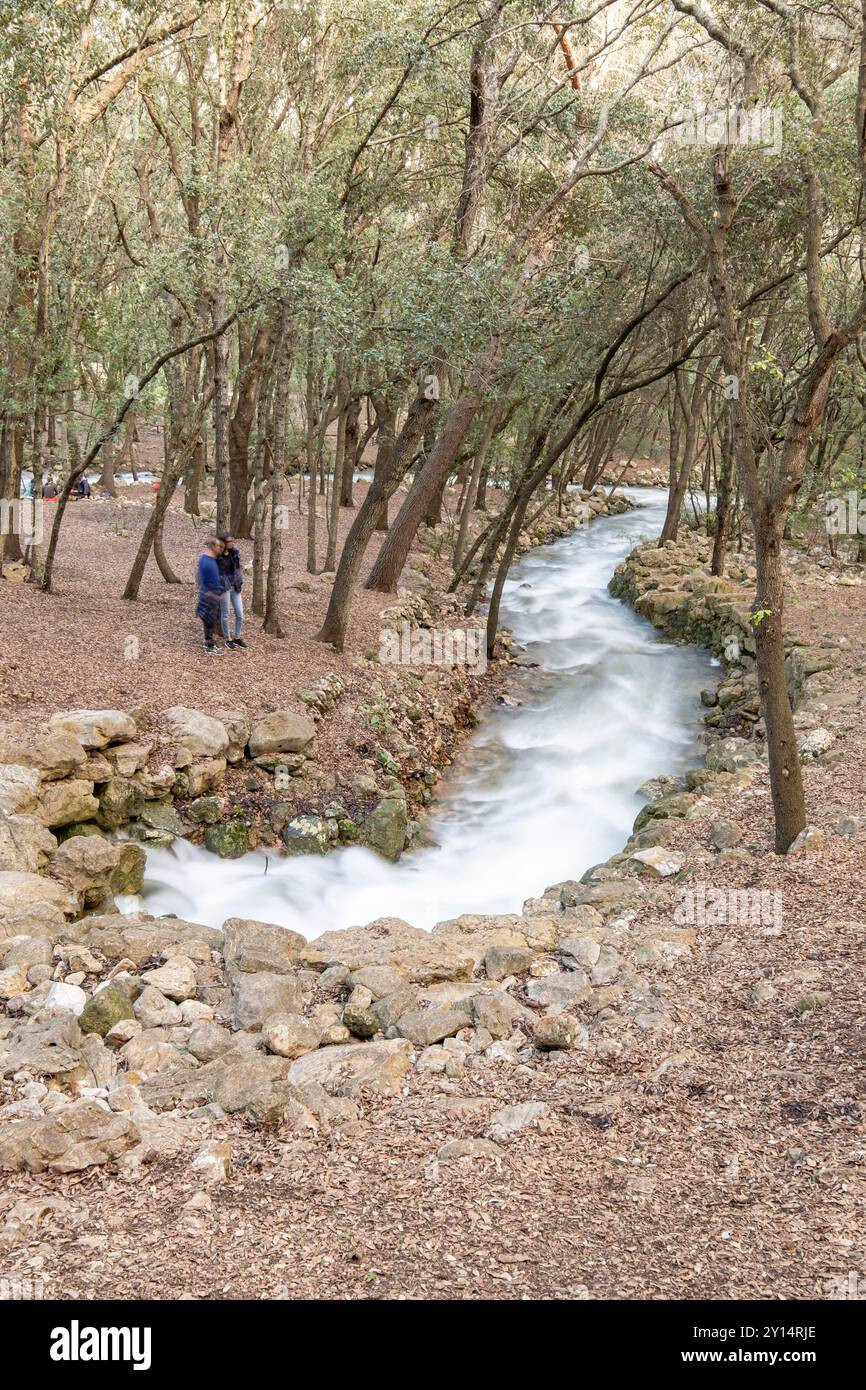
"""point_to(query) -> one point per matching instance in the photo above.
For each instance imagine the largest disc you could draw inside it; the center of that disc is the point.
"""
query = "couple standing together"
(220, 580)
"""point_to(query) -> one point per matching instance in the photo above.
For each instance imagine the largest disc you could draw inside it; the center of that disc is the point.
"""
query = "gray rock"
(380, 980)
(724, 834)
(307, 835)
(426, 1026)
(77, 1136)
(393, 1006)
(208, 1040)
(283, 731)
(95, 728)
(731, 755)
(257, 995)
(251, 946)
(290, 1035)
(355, 1067)
(559, 1033)
(384, 829)
(154, 1010)
(502, 960)
(558, 991)
(196, 734)
(495, 1011)
(176, 979)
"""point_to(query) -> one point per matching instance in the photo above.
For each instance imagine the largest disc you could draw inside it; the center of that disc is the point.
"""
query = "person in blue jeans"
(210, 588)
(231, 572)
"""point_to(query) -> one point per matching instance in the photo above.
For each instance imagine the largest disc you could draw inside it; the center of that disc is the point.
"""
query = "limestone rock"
(237, 726)
(559, 1033)
(731, 754)
(809, 841)
(283, 731)
(25, 844)
(415, 954)
(195, 734)
(129, 758)
(105, 1008)
(67, 1140)
(354, 1067)
(659, 862)
(151, 1051)
(307, 835)
(67, 801)
(506, 960)
(360, 1019)
(384, 829)
(426, 1026)
(229, 840)
(559, 991)
(208, 1041)
(250, 946)
(495, 1011)
(206, 810)
(380, 980)
(176, 979)
(45, 1046)
(257, 995)
(94, 728)
(51, 754)
(19, 790)
(137, 936)
(120, 801)
(154, 1010)
(63, 996)
(213, 1162)
(21, 892)
(290, 1035)
(93, 868)
(469, 1148)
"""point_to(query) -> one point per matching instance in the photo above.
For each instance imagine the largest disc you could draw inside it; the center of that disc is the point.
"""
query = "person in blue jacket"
(233, 581)
(210, 587)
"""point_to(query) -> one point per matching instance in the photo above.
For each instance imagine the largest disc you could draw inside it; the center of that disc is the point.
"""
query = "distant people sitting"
(50, 490)
(210, 588)
(82, 487)
(229, 561)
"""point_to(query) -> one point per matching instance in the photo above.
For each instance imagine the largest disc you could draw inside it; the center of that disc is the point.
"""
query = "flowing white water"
(542, 791)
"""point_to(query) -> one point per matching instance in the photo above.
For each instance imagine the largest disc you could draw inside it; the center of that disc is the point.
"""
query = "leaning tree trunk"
(355, 545)
(397, 544)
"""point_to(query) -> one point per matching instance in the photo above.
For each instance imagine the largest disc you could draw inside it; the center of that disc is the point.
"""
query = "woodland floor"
(725, 1161)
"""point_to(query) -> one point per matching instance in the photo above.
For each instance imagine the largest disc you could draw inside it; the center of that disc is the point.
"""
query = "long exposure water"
(542, 790)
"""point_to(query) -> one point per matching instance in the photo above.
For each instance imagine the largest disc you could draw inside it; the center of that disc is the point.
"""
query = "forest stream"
(543, 789)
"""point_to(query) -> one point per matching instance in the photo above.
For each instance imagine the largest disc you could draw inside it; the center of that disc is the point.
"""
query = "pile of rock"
(126, 1036)
(89, 773)
(672, 586)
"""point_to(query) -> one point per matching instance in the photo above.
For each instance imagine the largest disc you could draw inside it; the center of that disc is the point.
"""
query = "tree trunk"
(353, 415)
(355, 545)
(272, 623)
(786, 780)
(395, 549)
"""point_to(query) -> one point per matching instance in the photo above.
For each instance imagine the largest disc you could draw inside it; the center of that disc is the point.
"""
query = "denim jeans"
(231, 599)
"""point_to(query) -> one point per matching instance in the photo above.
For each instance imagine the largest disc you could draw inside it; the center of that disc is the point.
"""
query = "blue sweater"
(209, 577)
